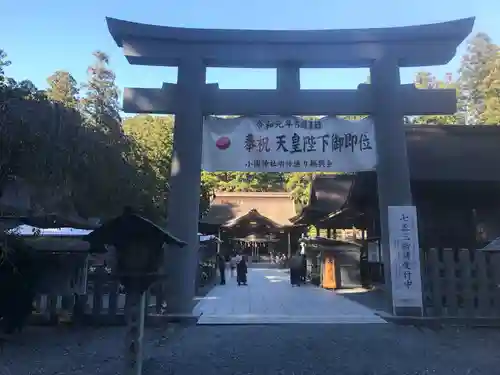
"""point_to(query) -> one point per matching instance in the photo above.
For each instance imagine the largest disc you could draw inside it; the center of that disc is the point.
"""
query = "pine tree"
(63, 89)
(473, 71)
(100, 104)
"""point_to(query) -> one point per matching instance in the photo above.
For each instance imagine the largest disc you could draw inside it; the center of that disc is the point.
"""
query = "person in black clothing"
(221, 264)
(296, 270)
(304, 268)
(241, 272)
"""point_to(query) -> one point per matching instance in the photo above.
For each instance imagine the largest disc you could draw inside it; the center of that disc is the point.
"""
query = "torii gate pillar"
(393, 174)
(185, 180)
(384, 51)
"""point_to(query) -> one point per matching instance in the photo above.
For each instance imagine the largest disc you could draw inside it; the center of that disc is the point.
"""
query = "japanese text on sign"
(289, 123)
(278, 144)
(405, 257)
(406, 248)
(309, 143)
(289, 164)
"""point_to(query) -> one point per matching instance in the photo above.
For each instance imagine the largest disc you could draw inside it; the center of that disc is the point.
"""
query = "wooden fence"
(456, 283)
(461, 283)
(104, 302)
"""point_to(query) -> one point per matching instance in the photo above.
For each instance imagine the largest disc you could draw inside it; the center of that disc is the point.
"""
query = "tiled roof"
(228, 206)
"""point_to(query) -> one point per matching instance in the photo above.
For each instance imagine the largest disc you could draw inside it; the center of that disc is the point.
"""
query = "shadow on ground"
(372, 298)
(378, 349)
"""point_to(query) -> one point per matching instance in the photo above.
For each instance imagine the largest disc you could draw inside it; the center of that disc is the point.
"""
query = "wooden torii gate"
(384, 51)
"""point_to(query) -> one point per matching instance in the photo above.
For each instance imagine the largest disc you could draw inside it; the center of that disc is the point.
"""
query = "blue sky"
(41, 37)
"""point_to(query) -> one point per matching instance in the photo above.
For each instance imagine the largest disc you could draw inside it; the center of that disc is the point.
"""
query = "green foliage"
(63, 89)
(100, 104)
(474, 69)
(65, 160)
(299, 186)
(491, 87)
(81, 151)
(4, 63)
(153, 137)
(10, 89)
(152, 141)
(206, 196)
(71, 165)
(243, 181)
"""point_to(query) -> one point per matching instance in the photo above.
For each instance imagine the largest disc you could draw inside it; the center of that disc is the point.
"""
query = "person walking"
(241, 271)
(304, 268)
(221, 264)
(295, 270)
(232, 265)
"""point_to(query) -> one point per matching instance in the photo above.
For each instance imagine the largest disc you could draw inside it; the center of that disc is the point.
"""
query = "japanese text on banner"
(293, 145)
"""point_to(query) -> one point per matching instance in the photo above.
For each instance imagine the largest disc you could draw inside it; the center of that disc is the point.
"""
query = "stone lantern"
(139, 251)
(139, 248)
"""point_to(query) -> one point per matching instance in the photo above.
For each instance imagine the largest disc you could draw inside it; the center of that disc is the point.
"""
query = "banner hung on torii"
(288, 144)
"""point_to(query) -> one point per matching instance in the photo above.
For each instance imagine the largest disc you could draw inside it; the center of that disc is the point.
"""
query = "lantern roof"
(130, 226)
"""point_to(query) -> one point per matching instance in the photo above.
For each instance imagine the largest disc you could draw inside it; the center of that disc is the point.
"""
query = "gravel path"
(378, 349)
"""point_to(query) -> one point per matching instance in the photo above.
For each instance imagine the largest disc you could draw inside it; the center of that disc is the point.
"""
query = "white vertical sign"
(405, 257)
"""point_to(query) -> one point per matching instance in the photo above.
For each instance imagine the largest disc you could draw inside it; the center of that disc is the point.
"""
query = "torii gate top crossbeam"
(423, 45)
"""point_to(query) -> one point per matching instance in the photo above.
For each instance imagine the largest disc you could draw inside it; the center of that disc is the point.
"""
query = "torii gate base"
(384, 51)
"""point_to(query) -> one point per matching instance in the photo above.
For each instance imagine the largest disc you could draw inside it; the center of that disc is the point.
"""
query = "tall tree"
(68, 165)
(151, 146)
(100, 104)
(153, 136)
(63, 89)
(491, 114)
(473, 71)
(4, 62)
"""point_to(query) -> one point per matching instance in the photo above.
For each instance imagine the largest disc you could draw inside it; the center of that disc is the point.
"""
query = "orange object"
(329, 281)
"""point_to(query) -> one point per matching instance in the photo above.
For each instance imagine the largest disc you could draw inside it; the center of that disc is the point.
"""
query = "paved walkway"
(270, 299)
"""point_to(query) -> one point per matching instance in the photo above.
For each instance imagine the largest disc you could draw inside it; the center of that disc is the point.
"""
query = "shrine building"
(255, 223)
(455, 183)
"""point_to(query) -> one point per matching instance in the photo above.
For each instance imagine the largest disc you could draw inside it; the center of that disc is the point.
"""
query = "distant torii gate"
(384, 51)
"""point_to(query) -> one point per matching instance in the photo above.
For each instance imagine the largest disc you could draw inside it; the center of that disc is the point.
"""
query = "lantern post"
(138, 256)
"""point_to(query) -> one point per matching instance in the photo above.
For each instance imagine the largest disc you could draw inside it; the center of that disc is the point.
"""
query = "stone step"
(244, 319)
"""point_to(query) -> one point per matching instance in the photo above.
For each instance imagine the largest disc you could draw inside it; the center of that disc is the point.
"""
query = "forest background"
(70, 145)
